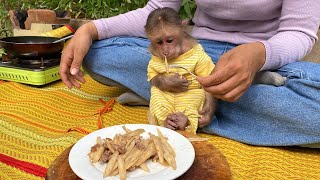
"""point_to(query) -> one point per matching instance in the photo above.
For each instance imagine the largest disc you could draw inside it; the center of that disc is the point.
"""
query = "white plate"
(82, 167)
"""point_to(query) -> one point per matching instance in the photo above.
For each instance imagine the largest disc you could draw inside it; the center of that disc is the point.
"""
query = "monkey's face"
(166, 41)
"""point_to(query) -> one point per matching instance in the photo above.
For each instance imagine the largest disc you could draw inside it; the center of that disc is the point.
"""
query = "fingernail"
(73, 71)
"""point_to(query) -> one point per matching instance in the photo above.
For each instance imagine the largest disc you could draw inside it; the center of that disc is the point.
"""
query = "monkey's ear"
(185, 26)
(185, 22)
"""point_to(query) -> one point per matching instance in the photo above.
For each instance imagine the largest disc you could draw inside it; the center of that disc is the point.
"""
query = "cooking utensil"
(32, 46)
(63, 39)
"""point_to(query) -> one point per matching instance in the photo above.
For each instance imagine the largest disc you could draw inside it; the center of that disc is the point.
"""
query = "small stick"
(177, 66)
(196, 139)
(166, 64)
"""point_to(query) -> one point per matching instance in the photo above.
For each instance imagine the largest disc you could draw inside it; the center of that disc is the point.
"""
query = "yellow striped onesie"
(162, 103)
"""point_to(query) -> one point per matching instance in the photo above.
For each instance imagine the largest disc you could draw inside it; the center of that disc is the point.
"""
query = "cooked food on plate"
(130, 150)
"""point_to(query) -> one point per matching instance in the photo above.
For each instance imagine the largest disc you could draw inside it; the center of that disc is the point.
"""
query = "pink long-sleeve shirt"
(287, 28)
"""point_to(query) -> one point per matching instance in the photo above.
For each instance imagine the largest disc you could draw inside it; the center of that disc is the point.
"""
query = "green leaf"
(187, 10)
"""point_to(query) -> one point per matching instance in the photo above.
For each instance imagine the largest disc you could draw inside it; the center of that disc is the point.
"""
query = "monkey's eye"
(159, 42)
(169, 41)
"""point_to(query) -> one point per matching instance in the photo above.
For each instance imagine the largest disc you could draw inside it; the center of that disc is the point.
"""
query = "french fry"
(130, 139)
(134, 132)
(129, 149)
(148, 152)
(130, 160)
(155, 158)
(133, 158)
(126, 159)
(126, 129)
(158, 147)
(108, 143)
(170, 159)
(94, 156)
(99, 140)
(111, 164)
(116, 139)
(144, 151)
(168, 152)
(121, 168)
(164, 140)
(144, 167)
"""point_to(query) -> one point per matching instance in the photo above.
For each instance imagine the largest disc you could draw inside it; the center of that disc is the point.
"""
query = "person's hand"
(235, 71)
(73, 54)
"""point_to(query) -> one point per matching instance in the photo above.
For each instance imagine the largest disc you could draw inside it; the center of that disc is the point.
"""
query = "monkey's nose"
(166, 53)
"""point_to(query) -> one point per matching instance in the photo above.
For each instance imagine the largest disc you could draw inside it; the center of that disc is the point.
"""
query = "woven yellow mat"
(38, 123)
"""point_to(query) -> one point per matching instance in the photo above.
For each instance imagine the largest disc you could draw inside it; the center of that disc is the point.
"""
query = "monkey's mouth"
(169, 57)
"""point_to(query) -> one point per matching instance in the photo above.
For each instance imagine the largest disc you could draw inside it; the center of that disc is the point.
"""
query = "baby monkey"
(177, 99)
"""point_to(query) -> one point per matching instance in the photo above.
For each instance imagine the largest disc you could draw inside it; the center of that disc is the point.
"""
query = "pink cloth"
(287, 28)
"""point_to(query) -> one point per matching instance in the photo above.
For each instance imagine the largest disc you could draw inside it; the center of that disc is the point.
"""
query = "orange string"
(78, 129)
(106, 108)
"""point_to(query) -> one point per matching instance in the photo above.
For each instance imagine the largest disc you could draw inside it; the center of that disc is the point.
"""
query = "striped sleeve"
(205, 65)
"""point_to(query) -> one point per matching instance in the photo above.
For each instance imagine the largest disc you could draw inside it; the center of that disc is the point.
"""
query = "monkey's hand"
(173, 83)
(208, 110)
(176, 121)
(170, 122)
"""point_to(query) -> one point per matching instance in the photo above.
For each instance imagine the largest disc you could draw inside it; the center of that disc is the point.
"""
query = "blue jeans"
(265, 115)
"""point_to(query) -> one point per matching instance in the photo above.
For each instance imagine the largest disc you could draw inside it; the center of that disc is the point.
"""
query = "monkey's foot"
(130, 98)
(271, 78)
(180, 119)
(207, 113)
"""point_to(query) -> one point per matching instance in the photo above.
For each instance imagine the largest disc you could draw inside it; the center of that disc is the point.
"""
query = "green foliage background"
(89, 9)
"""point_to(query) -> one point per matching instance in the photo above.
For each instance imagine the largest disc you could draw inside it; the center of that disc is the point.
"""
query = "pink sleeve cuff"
(268, 63)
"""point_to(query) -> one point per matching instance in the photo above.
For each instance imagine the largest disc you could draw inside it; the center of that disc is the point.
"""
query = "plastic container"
(59, 32)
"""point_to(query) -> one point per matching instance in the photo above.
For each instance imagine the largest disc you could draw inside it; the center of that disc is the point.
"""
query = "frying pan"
(32, 46)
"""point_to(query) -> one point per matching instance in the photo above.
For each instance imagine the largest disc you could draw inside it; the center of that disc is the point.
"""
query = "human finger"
(81, 42)
(222, 72)
(225, 86)
(64, 68)
(233, 95)
(79, 77)
(77, 62)
(74, 82)
(64, 76)
(217, 77)
(81, 73)
(231, 89)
